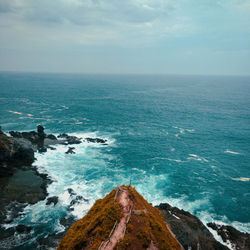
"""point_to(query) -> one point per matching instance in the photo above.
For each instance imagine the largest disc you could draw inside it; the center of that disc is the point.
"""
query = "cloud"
(97, 21)
(122, 35)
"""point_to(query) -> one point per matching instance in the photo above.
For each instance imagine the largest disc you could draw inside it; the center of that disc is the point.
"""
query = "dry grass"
(92, 229)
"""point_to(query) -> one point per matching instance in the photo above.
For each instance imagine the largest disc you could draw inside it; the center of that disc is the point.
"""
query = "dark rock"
(71, 191)
(189, 230)
(13, 154)
(96, 140)
(53, 199)
(40, 141)
(70, 139)
(40, 131)
(70, 150)
(23, 229)
(68, 221)
(6, 232)
(62, 135)
(239, 240)
(16, 134)
(42, 149)
(52, 240)
(77, 200)
(51, 137)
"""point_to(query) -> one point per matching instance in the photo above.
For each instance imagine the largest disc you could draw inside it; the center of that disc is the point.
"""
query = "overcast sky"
(126, 36)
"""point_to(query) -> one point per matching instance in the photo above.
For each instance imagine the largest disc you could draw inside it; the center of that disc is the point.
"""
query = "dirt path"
(126, 203)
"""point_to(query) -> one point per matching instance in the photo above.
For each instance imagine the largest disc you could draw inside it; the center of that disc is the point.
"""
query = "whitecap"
(139, 170)
(231, 152)
(175, 160)
(181, 130)
(196, 158)
(241, 179)
(15, 112)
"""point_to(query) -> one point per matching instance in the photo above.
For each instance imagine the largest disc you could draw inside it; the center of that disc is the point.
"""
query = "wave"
(197, 158)
(82, 178)
(241, 179)
(139, 170)
(78, 181)
(183, 130)
(231, 152)
(202, 208)
(15, 112)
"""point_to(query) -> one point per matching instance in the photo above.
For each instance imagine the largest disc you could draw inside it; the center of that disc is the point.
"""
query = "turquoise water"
(179, 139)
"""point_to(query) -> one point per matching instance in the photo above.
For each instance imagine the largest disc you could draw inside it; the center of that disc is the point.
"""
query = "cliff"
(121, 220)
(13, 154)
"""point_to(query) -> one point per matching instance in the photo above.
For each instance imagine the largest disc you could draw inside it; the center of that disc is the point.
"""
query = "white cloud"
(95, 21)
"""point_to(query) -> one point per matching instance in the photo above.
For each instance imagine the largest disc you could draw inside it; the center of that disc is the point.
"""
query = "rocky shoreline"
(22, 184)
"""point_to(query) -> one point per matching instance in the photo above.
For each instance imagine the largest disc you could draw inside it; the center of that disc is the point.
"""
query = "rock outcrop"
(189, 230)
(39, 140)
(113, 223)
(237, 239)
(13, 154)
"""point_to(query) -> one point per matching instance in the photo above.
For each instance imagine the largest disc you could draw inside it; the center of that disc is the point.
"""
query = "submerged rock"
(70, 150)
(53, 199)
(70, 139)
(23, 229)
(238, 240)
(95, 140)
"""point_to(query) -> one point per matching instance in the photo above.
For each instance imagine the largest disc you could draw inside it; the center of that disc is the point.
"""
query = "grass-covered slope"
(146, 227)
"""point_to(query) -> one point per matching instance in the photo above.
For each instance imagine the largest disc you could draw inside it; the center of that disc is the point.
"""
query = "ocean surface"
(184, 140)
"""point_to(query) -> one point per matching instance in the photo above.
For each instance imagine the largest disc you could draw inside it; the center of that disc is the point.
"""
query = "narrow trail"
(119, 231)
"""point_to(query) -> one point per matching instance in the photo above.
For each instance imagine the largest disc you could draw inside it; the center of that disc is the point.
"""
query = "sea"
(180, 139)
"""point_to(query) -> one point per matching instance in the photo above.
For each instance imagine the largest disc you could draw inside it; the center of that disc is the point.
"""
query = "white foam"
(139, 170)
(206, 217)
(241, 179)
(74, 172)
(176, 160)
(231, 152)
(183, 130)
(190, 130)
(166, 158)
(196, 158)
(15, 112)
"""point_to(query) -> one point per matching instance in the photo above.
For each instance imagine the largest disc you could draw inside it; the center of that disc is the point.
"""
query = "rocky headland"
(125, 220)
(121, 220)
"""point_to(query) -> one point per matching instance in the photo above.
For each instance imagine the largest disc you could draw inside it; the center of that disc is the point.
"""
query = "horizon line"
(114, 73)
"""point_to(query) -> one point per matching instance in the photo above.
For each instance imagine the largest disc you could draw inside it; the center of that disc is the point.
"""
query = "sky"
(126, 36)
